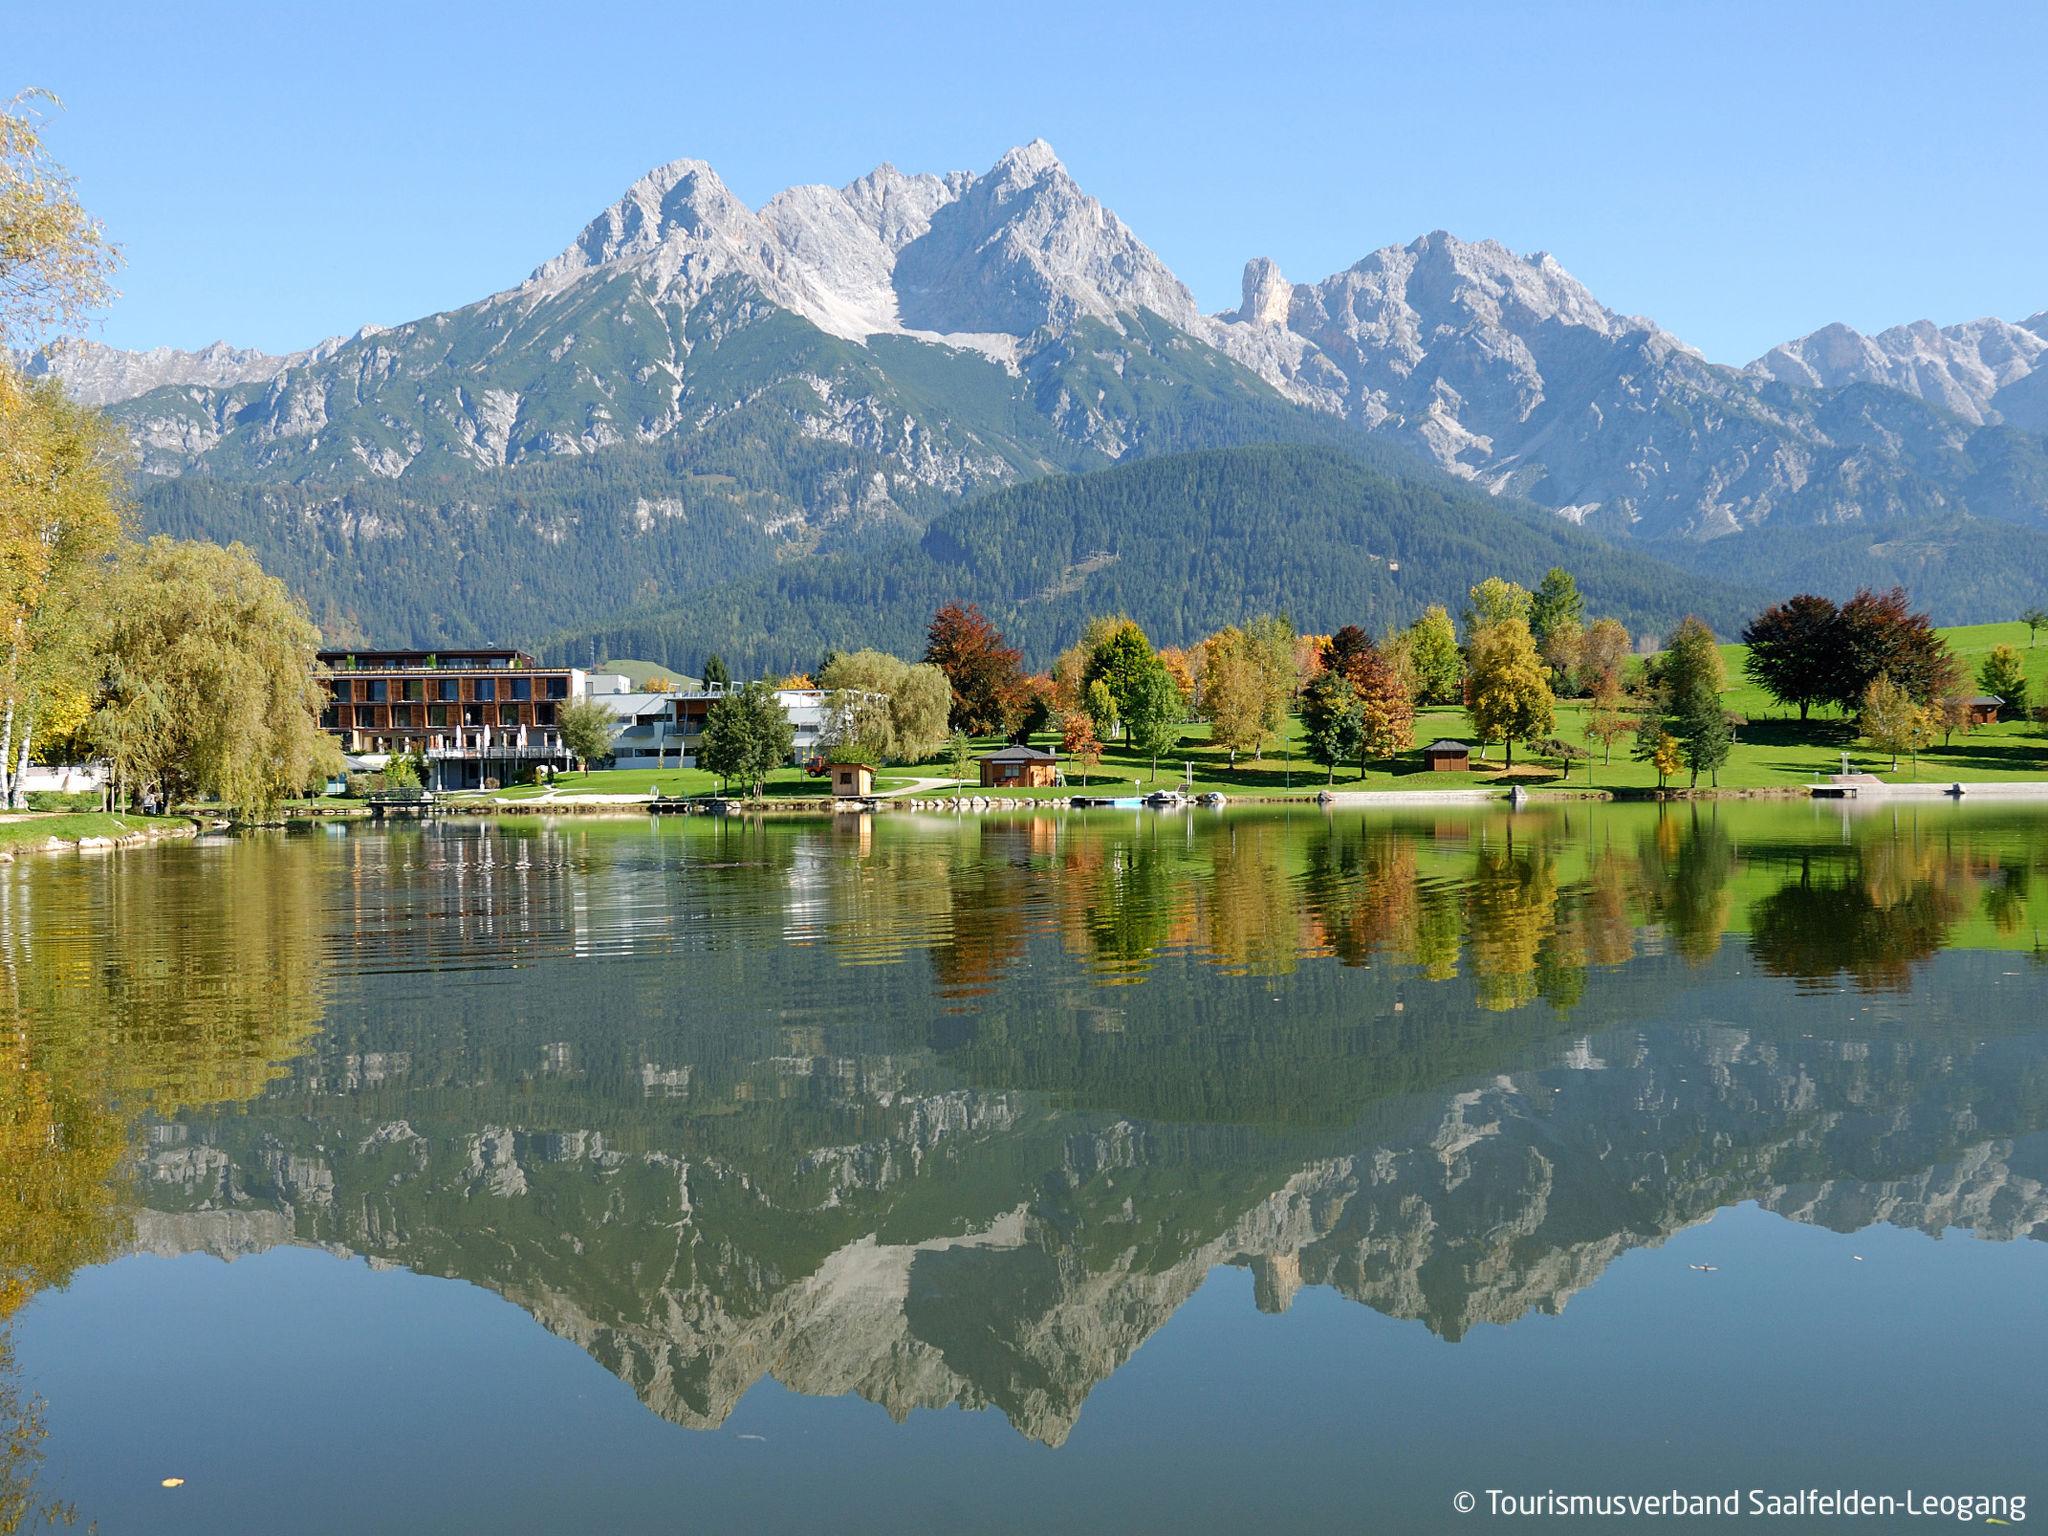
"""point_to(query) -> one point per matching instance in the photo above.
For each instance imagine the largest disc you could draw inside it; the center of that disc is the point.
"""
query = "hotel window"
(522, 687)
(379, 691)
(543, 714)
(450, 689)
(411, 690)
(508, 714)
(486, 688)
(437, 714)
(558, 687)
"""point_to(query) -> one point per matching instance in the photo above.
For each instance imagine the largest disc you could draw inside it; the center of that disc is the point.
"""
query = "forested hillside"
(1183, 543)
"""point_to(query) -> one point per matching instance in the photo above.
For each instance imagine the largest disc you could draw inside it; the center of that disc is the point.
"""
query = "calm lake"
(1082, 1171)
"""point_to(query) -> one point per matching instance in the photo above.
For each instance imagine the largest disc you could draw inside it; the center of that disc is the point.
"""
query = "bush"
(63, 800)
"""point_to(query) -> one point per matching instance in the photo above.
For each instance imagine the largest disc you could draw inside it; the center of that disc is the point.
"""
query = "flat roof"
(449, 657)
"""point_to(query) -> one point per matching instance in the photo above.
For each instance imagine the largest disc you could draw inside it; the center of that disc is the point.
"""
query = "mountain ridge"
(852, 359)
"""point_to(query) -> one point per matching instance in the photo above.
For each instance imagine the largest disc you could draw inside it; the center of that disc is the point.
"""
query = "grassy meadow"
(1773, 750)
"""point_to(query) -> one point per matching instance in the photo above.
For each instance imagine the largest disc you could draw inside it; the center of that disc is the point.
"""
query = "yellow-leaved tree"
(1509, 685)
(59, 515)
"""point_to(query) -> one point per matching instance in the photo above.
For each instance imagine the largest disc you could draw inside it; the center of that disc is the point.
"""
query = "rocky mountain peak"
(1966, 369)
(1027, 163)
(1267, 295)
(682, 198)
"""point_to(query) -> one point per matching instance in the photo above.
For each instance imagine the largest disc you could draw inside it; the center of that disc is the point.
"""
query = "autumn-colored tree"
(985, 674)
(1510, 698)
(1079, 742)
(1606, 720)
(61, 519)
(1605, 649)
(1493, 601)
(1345, 651)
(1248, 682)
(1563, 647)
(1234, 688)
(1272, 642)
(1893, 721)
(1666, 756)
(56, 265)
(1180, 669)
(1386, 707)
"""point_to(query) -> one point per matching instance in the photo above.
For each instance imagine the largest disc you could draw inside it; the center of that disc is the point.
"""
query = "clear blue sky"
(1741, 172)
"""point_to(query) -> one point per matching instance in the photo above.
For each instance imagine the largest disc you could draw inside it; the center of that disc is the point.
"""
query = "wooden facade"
(850, 781)
(1448, 757)
(472, 715)
(1019, 768)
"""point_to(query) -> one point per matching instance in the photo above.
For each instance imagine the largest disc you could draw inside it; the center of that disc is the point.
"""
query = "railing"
(496, 750)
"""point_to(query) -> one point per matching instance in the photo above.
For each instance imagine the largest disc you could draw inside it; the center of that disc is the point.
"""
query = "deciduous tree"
(1882, 637)
(1605, 649)
(1795, 651)
(1606, 720)
(747, 736)
(1333, 724)
(1434, 658)
(1079, 742)
(1493, 601)
(1893, 721)
(2004, 675)
(206, 678)
(1155, 713)
(587, 728)
(985, 674)
(1510, 696)
(61, 519)
(56, 265)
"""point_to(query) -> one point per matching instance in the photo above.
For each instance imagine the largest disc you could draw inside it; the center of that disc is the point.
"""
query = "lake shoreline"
(1991, 790)
(86, 831)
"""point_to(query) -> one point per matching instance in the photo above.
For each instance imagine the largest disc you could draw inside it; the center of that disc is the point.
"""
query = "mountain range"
(695, 392)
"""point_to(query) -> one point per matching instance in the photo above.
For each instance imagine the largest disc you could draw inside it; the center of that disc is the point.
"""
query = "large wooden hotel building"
(472, 715)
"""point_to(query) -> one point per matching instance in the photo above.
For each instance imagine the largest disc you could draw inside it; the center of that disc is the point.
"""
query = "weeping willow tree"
(206, 679)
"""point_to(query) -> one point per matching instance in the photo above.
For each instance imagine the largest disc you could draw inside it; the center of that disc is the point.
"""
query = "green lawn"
(35, 827)
(1971, 643)
(1775, 750)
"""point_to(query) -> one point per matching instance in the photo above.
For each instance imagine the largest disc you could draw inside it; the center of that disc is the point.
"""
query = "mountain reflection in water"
(960, 1112)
